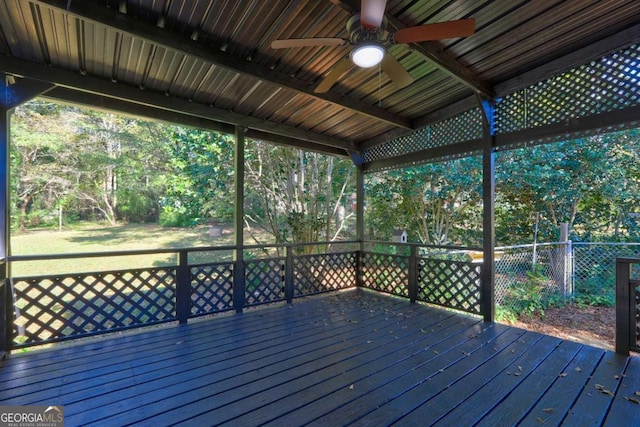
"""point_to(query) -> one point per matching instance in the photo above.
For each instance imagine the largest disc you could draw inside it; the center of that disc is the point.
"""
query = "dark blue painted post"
(183, 288)
(360, 233)
(487, 273)
(625, 308)
(413, 273)
(13, 93)
(288, 274)
(238, 270)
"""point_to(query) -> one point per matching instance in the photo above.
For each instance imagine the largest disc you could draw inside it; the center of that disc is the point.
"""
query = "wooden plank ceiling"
(209, 63)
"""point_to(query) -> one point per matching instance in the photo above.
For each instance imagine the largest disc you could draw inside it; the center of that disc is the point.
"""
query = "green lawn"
(97, 238)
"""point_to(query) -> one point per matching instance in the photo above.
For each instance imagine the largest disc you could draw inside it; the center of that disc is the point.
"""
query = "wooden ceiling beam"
(108, 89)
(92, 11)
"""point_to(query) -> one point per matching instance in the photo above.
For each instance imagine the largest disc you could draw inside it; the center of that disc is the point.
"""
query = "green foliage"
(527, 298)
(590, 183)
(596, 291)
(199, 187)
(437, 203)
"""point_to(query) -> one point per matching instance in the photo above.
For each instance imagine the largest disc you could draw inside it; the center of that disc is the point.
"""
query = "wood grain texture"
(356, 357)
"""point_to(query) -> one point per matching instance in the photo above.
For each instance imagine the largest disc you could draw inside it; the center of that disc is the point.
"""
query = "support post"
(238, 271)
(13, 92)
(625, 308)
(6, 294)
(183, 288)
(360, 233)
(288, 274)
(413, 273)
(487, 274)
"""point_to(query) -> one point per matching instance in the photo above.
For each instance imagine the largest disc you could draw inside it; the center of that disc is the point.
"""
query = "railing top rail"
(530, 245)
(606, 243)
(421, 245)
(628, 260)
(46, 257)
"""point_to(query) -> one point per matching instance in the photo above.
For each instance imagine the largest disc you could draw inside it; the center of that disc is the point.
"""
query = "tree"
(439, 203)
(199, 185)
(40, 156)
(297, 196)
(588, 183)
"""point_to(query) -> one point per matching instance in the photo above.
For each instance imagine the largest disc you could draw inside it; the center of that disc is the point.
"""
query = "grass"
(96, 238)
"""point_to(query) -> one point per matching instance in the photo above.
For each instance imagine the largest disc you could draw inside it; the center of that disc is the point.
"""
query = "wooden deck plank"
(356, 357)
(313, 403)
(385, 390)
(280, 400)
(286, 369)
(177, 387)
(480, 364)
(519, 400)
(567, 386)
(595, 400)
(223, 342)
(437, 406)
(625, 409)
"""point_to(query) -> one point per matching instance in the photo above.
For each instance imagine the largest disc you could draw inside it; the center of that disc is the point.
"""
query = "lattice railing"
(314, 274)
(211, 288)
(59, 307)
(453, 284)
(55, 308)
(386, 273)
(264, 281)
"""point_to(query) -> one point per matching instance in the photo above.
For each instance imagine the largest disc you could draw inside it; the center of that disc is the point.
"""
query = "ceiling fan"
(370, 38)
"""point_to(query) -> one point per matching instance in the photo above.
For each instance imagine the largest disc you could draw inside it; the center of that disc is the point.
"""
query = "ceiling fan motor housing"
(359, 34)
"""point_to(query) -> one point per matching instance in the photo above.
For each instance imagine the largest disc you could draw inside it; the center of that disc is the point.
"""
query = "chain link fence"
(527, 271)
(527, 277)
(594, 267)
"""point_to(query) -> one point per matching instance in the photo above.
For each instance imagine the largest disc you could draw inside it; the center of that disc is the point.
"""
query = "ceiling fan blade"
(396, 72)
(333, 76)
(372, 12)
(439, 31)
(317, 41)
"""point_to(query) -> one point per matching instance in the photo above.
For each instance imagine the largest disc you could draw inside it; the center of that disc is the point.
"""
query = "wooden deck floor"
(357, 358)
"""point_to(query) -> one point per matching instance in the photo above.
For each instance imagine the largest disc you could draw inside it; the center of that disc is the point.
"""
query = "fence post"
(625, 316)
(413, 273)
(288, 274)
(183, 288)
(568, 269)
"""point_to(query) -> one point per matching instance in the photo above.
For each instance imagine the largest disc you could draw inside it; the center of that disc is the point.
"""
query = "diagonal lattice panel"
(608, 84)
(54, 308)
(322, 273)
(211, 288)
(463, 127)
(386, 273)
(264, 281)
(453, 284)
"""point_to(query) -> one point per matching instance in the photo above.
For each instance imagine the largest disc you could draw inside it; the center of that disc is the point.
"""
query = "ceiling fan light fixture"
(367, 55)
